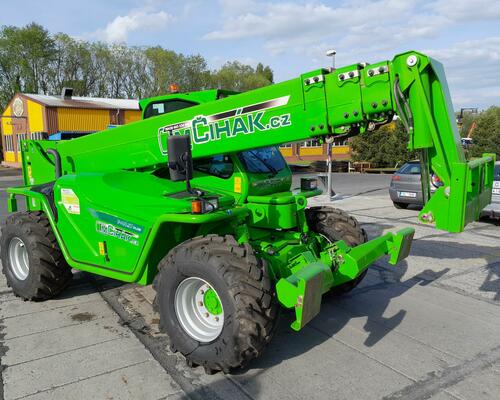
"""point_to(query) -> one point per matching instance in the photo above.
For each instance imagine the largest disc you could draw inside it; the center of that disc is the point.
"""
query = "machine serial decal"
(116, 227)
(111, 230)
(229, 124)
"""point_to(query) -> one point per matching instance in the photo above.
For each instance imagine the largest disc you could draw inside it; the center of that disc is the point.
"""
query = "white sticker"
(70, 201)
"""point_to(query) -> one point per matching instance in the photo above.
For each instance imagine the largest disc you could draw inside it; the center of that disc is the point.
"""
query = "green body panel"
(115, 213)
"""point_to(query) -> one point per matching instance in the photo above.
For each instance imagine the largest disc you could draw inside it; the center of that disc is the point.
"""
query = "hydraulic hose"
(406, 114)
(57, 161)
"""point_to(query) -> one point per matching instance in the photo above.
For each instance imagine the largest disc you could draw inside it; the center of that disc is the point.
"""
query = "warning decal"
(70, 201)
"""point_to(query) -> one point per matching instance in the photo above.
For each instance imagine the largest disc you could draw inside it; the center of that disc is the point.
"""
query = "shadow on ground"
(378, 289)
(490, 255)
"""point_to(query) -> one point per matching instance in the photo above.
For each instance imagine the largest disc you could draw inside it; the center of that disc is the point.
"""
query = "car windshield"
(410, 169)
(263, 160)
(497, 172)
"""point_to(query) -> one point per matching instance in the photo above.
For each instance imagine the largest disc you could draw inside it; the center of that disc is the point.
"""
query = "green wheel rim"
(212, 302)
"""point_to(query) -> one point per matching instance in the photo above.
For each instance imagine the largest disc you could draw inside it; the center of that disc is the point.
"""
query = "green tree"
(196, 73)
(386, 146)
(25, 55)
(266, 72)
(34, 61)
(240, 77)
(486, 136)
(164, 68)
(72, 66)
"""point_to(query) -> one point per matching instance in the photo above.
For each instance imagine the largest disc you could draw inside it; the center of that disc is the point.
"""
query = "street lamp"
(331, 53)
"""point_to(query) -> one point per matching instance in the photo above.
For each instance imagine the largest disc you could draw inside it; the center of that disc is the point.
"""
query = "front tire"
(400, 206)
(216, 302)
(335, 225)
(32, 261)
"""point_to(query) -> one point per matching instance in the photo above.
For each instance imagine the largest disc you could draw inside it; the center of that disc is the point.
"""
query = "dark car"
(406, 187)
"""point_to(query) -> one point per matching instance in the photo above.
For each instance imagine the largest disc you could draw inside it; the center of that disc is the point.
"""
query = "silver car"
(493, 210)
(405, 187)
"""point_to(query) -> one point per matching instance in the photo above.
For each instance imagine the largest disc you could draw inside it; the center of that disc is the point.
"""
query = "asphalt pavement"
(428, 328)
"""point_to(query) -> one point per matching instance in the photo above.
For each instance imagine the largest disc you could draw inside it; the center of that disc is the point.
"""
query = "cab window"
(166, 106)
(263, 160)
(220, 166)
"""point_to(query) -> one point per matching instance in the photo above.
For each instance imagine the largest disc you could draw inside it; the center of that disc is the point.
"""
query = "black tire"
(400, 206)
(242, 282)
(335, 225)
(48, 272)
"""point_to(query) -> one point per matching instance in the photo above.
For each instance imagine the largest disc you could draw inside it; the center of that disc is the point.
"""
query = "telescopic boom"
(324, 103)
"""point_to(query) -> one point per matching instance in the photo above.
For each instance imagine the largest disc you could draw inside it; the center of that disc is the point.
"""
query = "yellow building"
(36, 116)
(313, 150)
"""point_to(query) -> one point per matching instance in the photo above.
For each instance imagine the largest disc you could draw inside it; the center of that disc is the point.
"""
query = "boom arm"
(321, 103)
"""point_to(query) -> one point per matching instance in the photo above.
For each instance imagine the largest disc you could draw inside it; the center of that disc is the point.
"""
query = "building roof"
(84, 102)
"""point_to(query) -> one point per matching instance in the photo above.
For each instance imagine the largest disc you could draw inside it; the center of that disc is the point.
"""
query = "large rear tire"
(216, 302)
(32, 261)
(335, 225)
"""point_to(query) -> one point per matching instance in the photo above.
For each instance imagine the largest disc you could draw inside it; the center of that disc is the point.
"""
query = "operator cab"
(267, 161)
(154, 106)
(265, 167)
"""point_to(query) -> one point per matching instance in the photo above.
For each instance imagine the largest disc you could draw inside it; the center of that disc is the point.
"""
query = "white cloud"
(351, 23)
(309, 22)
(472, 71)
(467, 10)
(236, 7)
(363, 30)
(118, 30)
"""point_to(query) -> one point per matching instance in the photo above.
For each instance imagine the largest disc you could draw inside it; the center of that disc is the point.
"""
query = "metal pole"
(329, 163)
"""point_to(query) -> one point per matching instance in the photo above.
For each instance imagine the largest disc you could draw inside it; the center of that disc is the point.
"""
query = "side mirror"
(180, 160)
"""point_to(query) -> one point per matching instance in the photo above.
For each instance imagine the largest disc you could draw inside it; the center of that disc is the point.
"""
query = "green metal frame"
(114, 215)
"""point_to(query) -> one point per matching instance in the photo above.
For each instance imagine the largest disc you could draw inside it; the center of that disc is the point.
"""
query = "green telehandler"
(197, 199)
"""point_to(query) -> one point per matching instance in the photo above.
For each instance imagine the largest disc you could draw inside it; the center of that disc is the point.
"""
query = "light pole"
(331, 53)
(329, 143)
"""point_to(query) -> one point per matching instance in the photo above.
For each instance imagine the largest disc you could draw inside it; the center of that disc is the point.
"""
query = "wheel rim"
(18, 257)
(199, 309)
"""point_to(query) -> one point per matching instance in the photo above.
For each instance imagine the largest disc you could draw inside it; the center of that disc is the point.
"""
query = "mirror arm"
(189, 189)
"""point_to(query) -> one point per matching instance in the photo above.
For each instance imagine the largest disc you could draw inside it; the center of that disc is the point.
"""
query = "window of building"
(38, 135)
(21, 136)
(311, 143)
(9, 144)
(286, 145)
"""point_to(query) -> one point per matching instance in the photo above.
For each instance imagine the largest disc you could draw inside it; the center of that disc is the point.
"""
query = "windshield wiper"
(271, 169)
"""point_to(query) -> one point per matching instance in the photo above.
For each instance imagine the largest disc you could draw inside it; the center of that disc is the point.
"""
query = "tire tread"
(51, 272)
(248, 284)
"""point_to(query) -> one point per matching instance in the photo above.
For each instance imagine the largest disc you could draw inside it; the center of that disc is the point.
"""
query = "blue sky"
(292, 36)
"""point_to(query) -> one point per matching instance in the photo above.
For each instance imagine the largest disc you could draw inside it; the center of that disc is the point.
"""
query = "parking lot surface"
(428, 328)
